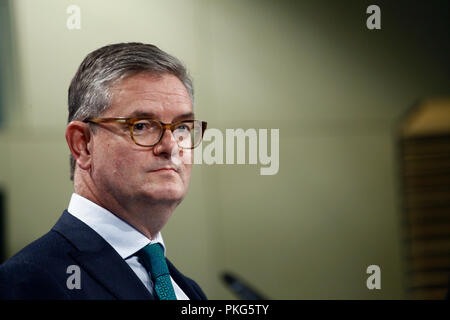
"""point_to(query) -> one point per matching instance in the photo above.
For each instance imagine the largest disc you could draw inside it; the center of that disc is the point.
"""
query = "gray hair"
(89, 91)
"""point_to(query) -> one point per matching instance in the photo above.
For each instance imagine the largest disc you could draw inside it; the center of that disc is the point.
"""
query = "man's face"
(130, 172)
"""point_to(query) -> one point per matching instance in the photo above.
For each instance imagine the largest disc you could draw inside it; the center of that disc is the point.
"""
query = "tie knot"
(152, 256)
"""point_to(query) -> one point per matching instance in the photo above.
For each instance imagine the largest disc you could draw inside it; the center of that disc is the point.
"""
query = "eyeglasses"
(147, 132)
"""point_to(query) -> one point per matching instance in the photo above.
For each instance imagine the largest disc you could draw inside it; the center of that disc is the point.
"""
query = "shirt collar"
(123, 237)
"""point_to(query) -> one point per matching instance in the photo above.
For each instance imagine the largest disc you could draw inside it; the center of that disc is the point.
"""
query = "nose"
(167, 145)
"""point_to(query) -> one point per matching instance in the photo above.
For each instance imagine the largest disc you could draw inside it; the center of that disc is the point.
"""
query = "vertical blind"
(425, 180)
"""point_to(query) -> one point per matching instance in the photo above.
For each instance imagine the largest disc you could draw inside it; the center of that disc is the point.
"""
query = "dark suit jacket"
(39, 271)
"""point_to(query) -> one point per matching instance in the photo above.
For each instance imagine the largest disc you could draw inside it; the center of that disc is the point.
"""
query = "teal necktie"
(152, 256)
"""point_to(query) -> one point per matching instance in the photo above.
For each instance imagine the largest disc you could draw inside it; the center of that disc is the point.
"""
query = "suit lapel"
(183, 282)
(100, 260)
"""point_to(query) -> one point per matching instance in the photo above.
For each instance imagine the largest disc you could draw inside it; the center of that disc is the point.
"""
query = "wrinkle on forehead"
(151, 95)
(139, 85)
(158, 92)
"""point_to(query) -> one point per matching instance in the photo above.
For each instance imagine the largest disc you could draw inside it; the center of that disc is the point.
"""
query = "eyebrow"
(146, 114)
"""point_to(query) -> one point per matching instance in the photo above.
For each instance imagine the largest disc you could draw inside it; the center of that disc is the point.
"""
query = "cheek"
(187, 174)
(120, 168)
(115, 162)
(186, 156)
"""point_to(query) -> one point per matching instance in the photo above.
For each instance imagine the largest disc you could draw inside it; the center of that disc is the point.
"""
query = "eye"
(145, 126)
(183, 127)
(140, 126)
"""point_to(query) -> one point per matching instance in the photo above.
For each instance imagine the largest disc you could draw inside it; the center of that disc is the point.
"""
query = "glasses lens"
(146, 132)
(188, 134)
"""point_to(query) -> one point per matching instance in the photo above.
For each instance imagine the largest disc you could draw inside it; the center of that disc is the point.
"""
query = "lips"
(165, 169)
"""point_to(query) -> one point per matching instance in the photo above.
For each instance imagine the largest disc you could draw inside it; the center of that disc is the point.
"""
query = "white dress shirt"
(124, 238)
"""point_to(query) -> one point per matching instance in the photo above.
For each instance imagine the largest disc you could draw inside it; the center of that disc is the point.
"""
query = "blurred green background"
(312, 69)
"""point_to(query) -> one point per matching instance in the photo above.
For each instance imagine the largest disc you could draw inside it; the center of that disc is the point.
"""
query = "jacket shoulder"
(32, 273)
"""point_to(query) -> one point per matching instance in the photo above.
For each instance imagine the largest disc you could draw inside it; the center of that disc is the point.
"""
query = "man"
(131, 131)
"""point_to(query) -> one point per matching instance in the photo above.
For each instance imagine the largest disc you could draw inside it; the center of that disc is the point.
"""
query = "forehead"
(165, 96)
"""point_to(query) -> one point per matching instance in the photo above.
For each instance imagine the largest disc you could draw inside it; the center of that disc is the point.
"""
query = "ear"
(78, 137)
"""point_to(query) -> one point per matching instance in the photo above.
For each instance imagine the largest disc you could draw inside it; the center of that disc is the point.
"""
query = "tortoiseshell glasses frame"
(148, 132)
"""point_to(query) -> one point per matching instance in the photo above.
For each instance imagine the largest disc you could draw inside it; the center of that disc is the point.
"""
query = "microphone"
(240, 288)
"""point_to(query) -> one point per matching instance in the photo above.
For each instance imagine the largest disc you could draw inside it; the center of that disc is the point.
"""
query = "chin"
(166, 193)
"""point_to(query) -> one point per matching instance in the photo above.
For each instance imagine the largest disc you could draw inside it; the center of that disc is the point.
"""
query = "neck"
(148, 216)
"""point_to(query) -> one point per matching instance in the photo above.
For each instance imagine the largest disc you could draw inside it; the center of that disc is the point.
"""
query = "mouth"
(165, 169)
